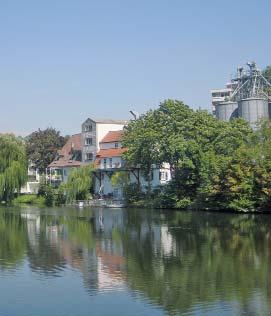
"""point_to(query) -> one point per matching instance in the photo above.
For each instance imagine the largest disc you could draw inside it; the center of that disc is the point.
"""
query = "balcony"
(115, 165)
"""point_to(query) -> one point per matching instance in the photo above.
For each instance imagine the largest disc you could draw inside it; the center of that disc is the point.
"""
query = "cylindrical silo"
(226, 111)
(253, 109)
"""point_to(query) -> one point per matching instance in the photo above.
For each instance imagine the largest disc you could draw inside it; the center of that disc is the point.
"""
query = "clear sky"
(62, 61)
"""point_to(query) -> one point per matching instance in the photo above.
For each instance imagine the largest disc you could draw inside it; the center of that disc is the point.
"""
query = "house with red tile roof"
(70, 156)
(93, 133)
(109, 160)
(82, 148)
(99, 145)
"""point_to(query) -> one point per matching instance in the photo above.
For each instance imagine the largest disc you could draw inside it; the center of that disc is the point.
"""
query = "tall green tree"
(13, 166)
(79, 184)
(196, 145)
(42, 147)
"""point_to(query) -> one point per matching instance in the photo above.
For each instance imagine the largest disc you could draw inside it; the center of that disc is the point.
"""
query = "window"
(163, 176)
(89, 156)
(89, 141)
(104, 163)
(88, 128)
(116, 145)
(110, 162)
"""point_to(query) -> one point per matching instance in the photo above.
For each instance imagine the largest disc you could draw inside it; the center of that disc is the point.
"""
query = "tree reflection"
(179, 261)
(215, 258)
(13, 236)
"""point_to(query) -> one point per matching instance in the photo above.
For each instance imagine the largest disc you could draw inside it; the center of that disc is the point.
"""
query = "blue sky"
(62, 61)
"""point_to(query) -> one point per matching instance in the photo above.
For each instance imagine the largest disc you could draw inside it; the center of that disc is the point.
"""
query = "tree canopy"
(42, 147)
(13, 166)
(79, 184)
(214, 164)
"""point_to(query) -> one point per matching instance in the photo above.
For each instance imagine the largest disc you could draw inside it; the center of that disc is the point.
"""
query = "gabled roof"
(73, 143)
(66, 153)
(113, 152)
(112, 136)
(65, 163)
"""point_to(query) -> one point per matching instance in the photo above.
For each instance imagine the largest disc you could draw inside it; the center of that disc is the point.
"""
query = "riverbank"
(29, 199)
(40, 201)
(143, 204)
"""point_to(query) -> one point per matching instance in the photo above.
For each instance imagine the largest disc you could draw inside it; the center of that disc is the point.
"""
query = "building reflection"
(94, 246)
(175, 260)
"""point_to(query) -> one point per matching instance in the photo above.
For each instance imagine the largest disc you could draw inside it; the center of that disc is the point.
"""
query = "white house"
(81, 148)
(93, 131)
(109, 160)
(70, 156)
(33, 181)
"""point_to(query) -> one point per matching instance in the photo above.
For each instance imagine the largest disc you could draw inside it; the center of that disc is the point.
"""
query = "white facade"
(159, 177)
(33, 181)
(103, 129)
(93, 131)
(109, 161)
(60, 174)
(110, 145)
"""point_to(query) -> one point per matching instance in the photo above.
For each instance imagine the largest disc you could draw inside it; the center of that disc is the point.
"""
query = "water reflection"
(185, 263)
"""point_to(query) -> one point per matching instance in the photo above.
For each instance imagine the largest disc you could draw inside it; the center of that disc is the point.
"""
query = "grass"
(31, 199)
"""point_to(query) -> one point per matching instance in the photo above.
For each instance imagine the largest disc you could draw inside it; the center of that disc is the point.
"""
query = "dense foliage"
(13, 166)
(79, 184)
(214, 164)
(42, 147)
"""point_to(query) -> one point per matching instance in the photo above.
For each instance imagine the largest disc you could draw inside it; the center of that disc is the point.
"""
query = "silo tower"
(249, 99)
(250, 94)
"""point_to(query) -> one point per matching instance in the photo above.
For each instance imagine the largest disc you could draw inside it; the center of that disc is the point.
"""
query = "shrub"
(31, 199)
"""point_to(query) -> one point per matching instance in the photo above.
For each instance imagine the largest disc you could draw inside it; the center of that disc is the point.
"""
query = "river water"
(71, 262)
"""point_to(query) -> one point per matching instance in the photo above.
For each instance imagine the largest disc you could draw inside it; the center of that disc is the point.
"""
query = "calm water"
(130, 262)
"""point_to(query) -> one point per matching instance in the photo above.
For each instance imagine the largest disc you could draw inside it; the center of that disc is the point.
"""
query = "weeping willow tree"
(79, 184)
(13, 166)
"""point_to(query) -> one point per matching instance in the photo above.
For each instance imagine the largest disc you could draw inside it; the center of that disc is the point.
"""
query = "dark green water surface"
(69, 262)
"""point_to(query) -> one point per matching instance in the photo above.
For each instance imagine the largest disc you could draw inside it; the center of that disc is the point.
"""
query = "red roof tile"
(65, 153)
(65, 163)
(114, 152)
(74, 142)
(112, 136)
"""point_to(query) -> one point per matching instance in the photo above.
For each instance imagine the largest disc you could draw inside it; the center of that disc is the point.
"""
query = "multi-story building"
(222, 95)
(93, 131)
(109, 160)
(81, 148)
